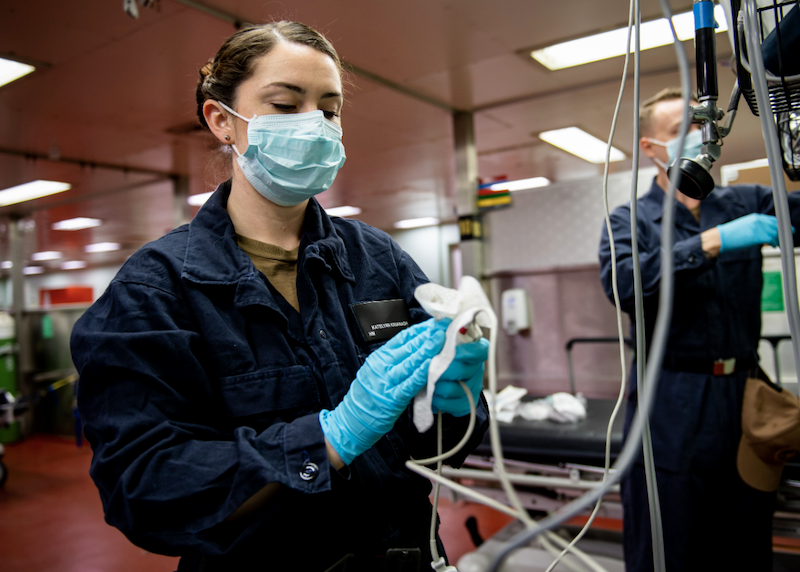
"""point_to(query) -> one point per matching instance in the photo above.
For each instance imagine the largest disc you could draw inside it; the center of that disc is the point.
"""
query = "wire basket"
(779, 25)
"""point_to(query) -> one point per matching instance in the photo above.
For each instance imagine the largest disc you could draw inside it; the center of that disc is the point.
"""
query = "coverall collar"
(652, 203)
(213, 256)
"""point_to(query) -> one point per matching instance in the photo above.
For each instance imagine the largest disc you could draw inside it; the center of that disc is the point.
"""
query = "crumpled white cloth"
(470, 309)
(559, 407)
(504, 407)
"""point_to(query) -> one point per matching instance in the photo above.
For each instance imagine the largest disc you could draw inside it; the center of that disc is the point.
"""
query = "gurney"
(553, 463)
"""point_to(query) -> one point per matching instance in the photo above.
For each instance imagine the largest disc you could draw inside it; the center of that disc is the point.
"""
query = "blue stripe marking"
(704, 15)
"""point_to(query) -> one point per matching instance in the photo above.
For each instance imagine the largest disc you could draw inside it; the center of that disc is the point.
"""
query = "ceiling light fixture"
(199, 200)
(73, 265)
(343, 211)
(11, 70)
(46, 255)
(416, 222)
(6, 264)
(612, 44)
(78, 223)
(576, 141)
(32, 270)
(31, 191)
(102, 247)
(520, 184)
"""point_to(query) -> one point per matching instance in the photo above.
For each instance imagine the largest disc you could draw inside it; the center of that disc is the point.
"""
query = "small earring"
(227, 138)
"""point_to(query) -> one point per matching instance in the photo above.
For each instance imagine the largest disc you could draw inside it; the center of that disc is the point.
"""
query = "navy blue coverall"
(199, 385)
(712, 520)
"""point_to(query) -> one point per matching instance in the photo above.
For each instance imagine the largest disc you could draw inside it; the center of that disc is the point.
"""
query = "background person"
(239, 413)
(712, 520)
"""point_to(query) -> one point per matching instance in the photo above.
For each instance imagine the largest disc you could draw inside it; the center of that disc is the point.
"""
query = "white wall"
(430, 248)
(97, 278)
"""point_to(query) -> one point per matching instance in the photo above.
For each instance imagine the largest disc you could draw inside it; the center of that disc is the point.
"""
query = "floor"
(51, 519)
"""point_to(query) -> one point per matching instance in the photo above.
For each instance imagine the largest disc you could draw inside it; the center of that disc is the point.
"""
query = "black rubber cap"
(695, 181)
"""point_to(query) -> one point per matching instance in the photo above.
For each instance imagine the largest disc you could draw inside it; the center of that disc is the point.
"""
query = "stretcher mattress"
(549, 442)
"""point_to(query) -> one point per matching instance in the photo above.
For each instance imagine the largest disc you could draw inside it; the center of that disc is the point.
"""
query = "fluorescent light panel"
(73, 265)
(199, 200)
(521, 184)
(32, 270)
(6, 264)
(612, 44)
(343, 211)
(46, 255)
(102, 247)
(11, 70)
(416, 222)
(578, 142)
(78, 223)
(31, 191)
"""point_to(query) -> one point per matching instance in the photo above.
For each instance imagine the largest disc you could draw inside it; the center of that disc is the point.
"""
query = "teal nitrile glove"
(384, 386)
(749, 230)
(448, 395)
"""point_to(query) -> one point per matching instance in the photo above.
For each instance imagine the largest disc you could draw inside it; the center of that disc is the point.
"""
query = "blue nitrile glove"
(448, 396)
(384, 386)
(749, 230)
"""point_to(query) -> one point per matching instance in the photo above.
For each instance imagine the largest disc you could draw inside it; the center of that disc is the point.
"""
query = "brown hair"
(646, 109)
(235, 60)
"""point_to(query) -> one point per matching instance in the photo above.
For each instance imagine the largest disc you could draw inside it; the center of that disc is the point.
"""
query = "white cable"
(656, 532)
(659, 340)
(544, 540)
(615, 291)
(467, 434)
(577, 552)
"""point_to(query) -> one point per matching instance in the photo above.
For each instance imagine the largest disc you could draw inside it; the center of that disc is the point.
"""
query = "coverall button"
(310, 471)
(692, 258)
(323, 335)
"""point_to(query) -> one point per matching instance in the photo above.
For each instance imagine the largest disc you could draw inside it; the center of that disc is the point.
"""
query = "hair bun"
(206, 70)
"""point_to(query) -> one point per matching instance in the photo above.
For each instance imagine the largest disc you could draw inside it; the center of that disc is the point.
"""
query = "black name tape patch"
(382, 319)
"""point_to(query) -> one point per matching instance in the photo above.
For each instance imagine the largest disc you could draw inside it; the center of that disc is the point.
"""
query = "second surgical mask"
(692, 146)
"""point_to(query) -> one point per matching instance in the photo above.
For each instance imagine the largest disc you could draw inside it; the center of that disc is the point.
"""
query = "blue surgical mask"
(290, 157)
(692, 147)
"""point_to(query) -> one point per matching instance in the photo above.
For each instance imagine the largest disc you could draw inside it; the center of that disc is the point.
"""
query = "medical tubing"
(615, 291)
(657, 534)
(543, 540)
(547, 545)
(464, 439)
(494, 430)
(462, 490)
(627, 454)
(779, 196)
(579, 554)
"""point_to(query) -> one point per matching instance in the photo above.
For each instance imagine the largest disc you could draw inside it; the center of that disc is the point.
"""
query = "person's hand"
(384, 386)
(448, 395)
(749, 230)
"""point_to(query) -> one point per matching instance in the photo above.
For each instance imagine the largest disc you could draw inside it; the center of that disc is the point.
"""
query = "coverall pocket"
(270, 391)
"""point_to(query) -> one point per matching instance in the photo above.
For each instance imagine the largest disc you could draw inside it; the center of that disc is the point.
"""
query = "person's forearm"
(263, 496)
(334, 458)
(255, 502)
(710, 242)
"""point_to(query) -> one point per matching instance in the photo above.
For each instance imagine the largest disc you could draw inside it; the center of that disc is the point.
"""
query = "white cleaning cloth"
(469, 308)
(505, 407)
(559, 407)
